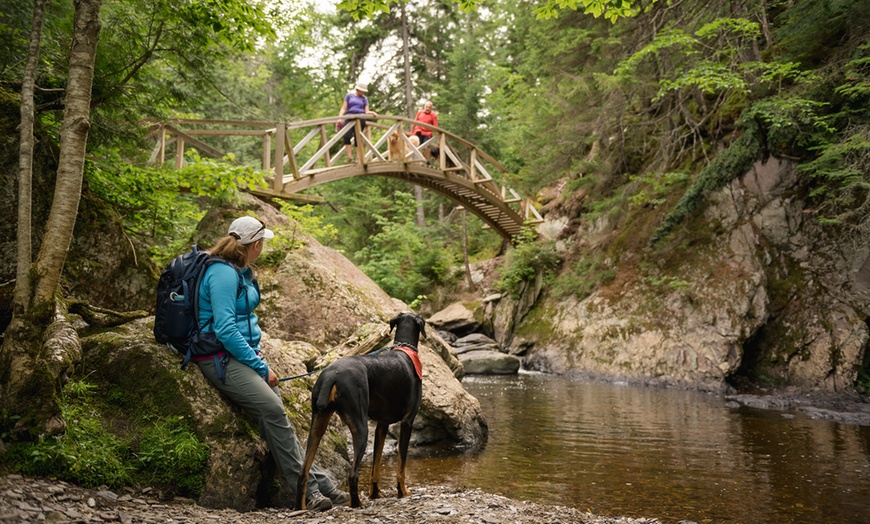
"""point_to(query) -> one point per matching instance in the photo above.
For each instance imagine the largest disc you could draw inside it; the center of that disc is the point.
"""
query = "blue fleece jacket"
(235, 323)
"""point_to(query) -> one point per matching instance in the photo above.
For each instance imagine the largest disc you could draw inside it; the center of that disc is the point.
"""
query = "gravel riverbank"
(24, 499)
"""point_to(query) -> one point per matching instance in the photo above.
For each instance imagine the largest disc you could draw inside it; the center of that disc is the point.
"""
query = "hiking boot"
(317, 502)
(338, 497)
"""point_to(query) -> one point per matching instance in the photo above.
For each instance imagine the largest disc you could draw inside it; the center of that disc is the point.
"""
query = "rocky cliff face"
(767, 295)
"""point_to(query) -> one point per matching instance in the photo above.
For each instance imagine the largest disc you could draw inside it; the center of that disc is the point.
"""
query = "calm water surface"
(630, 451)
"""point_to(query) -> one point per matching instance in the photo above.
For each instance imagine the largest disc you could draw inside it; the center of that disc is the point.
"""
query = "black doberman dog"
(386, 387)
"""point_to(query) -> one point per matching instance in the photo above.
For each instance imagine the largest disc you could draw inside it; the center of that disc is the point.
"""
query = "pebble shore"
(24, 499)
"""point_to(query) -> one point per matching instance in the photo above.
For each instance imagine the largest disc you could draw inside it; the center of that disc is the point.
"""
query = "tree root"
(102, 317)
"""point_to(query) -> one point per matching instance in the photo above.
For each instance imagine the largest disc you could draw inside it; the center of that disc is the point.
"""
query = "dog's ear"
(394, 321)
(421, 324)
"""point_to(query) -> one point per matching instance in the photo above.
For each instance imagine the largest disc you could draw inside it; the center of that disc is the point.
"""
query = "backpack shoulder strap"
(205, 265)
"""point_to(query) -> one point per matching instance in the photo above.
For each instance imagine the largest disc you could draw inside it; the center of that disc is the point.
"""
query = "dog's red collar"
(415, 359)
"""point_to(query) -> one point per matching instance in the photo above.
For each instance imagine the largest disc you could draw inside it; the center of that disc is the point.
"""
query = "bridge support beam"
(278, 179)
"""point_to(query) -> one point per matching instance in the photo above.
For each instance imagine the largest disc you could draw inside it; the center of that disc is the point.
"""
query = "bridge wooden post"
(357, 130)
(267, 151)
(162, 142)
(179, 152)
(327, 162)
(278, 179)
(291, 157)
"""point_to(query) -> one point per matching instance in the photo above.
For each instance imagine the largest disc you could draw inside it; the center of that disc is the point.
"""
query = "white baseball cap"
(249, 229)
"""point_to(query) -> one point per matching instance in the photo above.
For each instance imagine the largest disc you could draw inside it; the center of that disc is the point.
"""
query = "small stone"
(13, 494)
(23, 506)
(55, 516)
(107, 495)
(91, 502)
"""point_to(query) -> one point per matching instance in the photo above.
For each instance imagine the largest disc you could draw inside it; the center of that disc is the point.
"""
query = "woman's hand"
(272, 379)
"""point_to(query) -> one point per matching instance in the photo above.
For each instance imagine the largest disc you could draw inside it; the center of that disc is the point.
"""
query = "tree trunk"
(21, 298)
(406, 56)
(71, 162)
(39, 346)
(409, 105)
(465, 250)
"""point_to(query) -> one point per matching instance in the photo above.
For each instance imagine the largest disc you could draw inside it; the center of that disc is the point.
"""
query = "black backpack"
(176, 316)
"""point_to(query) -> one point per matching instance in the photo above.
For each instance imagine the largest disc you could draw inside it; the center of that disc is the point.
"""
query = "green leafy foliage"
(170, 454)
(791, 124)
(711, 61)
(609, 9)
(303, 222)
(159, 204)
(728, 165)
(462, 92)
(582, 276)
(166, 452)
(666, 283)
(86, 453)
(654, 187)
(842, 172)
(525, 261)
(399, 257)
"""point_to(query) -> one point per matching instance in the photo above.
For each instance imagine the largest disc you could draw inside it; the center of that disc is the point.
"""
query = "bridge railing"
(296, 150)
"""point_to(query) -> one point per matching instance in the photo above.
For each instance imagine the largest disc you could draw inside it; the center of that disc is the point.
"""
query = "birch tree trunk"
(71, 163)
(39, 345)
(21, 295)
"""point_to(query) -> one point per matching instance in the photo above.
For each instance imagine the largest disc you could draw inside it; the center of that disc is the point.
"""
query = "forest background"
(634, 114)
(538, 88)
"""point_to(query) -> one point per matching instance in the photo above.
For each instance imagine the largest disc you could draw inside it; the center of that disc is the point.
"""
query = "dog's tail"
(325, 392)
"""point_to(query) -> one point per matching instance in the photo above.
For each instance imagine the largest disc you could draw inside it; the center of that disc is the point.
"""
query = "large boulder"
(459, 318)
(140, 377)
(475, 341)
(316, 307)
(486, 362)
(312, 293)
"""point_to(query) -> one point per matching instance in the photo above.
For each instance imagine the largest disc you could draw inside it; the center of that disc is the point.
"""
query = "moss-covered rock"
(140, 381)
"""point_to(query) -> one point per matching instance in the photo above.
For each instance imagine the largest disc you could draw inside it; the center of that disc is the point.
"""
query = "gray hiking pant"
(245, 388)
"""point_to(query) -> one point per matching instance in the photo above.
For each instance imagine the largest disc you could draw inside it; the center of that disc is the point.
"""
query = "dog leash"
(285, 379)
(299, 376)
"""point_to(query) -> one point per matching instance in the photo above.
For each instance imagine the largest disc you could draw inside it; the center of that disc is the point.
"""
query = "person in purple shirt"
(228, 295)
(355, 103)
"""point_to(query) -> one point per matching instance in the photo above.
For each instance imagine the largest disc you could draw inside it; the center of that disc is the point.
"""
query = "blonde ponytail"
(229, 248)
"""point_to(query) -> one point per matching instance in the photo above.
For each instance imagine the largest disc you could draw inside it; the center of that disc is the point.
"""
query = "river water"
(675, 455)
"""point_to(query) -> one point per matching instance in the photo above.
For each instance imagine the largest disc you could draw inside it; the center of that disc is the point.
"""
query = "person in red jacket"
(427, 116)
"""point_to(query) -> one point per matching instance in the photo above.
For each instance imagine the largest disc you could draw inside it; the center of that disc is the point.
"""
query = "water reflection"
(674, 455)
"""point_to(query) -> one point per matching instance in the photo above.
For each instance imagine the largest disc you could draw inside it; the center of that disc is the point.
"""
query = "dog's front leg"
(404, 441)
(378, 453)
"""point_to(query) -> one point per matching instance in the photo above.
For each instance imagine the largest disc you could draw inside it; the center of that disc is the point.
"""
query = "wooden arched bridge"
(301, 155)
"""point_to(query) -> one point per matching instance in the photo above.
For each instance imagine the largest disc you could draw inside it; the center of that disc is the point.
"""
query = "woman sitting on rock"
(228, 295)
